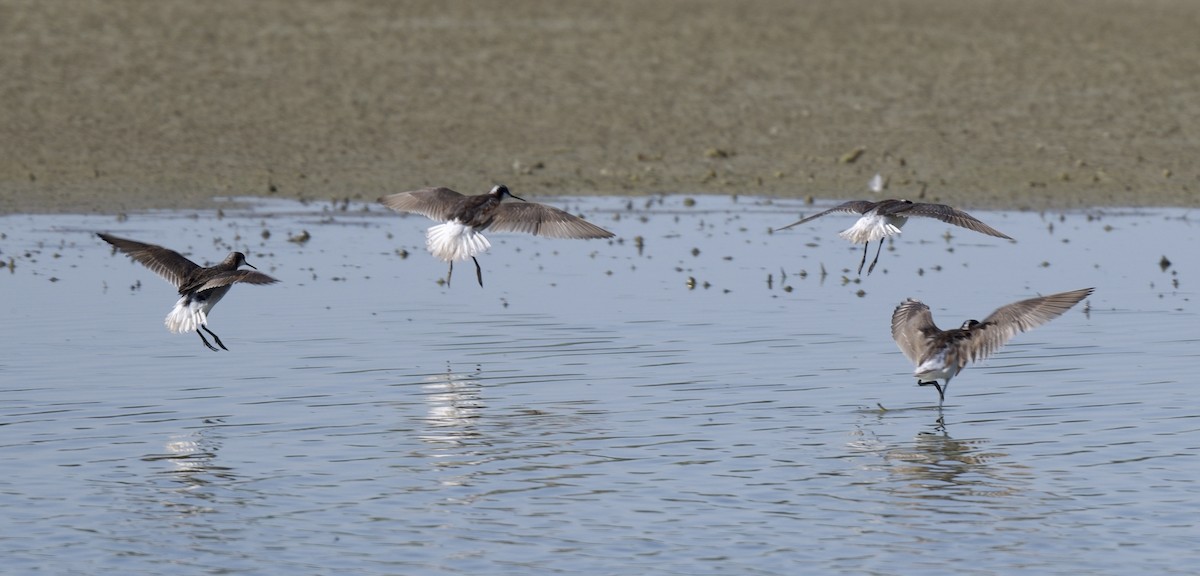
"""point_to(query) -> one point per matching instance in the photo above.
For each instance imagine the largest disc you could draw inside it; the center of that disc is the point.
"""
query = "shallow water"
(587, 411)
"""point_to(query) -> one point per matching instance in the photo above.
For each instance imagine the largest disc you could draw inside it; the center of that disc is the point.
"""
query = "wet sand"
(1023, 104)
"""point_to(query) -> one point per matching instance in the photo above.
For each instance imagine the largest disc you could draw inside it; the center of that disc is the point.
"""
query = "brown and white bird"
(200, 288)
(886, 217)
(941, 354)
(466, 217)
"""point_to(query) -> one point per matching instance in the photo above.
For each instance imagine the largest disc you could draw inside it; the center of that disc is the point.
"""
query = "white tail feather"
(186, 316)
(455, 241)
(869, 229)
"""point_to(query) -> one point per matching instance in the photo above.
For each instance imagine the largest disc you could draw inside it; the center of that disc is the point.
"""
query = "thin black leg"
(864, 258)
(877, 251)
(941, 391)
(450, 273)
(478, 272)
(205, 340)
(215, 337)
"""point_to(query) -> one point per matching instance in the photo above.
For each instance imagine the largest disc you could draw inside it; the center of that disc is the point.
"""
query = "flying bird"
(886, 217)
(464, 218)
(941, 354)
(200, 288)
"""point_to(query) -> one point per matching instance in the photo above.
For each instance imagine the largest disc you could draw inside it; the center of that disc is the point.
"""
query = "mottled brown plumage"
(942, 354)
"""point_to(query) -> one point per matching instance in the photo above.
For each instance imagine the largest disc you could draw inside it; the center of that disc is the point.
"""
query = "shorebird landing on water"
(886, 217)
(466, 217)
(200, 288)
(942, 354)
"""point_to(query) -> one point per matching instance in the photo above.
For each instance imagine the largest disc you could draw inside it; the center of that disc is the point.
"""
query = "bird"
(464, 218)
(200, 288)
(941, 354)
(886, 217)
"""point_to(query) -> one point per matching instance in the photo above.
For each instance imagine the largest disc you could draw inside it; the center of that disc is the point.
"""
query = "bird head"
(238, 259)
(500, 191)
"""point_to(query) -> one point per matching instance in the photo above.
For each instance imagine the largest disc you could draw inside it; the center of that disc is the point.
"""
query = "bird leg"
(877, 251)
(479, 271)
(450, 273)
(215, 337)
(864, 258)
(941, 391)
(205, 340)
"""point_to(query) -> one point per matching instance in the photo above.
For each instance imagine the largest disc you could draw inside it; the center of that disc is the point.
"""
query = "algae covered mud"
(696, 395)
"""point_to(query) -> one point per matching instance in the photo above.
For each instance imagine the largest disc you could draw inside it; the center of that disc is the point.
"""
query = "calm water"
(589, 413)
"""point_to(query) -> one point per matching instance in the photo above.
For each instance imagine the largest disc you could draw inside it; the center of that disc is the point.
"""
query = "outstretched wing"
(542, 220)
(911, 322)
(165, 262)
(234, 276)
(851, 207)
(1008, 321)
(433, 203)
(953, 216)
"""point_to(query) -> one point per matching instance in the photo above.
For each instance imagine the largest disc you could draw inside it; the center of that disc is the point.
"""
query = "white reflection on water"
(699, 395)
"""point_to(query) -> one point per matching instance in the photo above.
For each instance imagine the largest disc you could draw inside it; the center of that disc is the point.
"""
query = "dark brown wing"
(162, 261)
(912, 323)
(851, 207)
(433, 203)
(953, 216)
(542, 220)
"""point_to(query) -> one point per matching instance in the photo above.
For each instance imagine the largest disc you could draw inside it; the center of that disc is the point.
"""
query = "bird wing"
(234, 276)
(851, 207)
(169, 264)
(953, 216)
(911, 322)
(542, 220)
(1008, 321)
(433, 203)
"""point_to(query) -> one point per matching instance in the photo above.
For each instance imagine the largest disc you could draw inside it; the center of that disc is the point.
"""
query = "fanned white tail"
(872, 228)
(188, 316)
(455, 241)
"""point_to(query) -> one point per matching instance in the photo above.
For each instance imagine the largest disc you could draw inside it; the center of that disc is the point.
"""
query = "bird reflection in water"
(194, 476)
(935, 465)
(454, 406)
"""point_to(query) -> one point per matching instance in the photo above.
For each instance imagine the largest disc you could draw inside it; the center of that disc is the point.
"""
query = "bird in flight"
(200, 288)
(464, 218)
(885, 218)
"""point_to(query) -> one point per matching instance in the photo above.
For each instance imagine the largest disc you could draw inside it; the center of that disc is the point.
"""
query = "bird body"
(941, 354)
(200, 288)
(464, 218)
(878, 220)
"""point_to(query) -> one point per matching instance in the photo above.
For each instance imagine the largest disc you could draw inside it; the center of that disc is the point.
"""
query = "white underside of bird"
(191, 312)
(936, 367)
(188, 316)
(873, 227)
(455, 241)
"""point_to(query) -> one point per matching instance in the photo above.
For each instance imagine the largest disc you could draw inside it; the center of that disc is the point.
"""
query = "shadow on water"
(698, 394)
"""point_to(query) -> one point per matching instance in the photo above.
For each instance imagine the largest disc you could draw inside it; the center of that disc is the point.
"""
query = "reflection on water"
(454, 405)
(935, 465)
(698, 395)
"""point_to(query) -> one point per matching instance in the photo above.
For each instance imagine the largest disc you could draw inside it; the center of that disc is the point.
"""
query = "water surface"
(704, 400)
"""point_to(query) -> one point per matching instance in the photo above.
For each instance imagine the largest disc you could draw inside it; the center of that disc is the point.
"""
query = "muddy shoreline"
(1017, 104)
